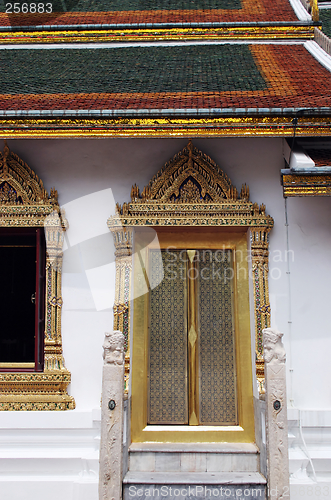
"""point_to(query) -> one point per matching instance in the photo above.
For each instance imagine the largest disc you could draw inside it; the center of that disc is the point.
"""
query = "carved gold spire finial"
(262, 209)
(233, 193)
(53, 197)
(244, 193)
(134, 192)
(118, 209)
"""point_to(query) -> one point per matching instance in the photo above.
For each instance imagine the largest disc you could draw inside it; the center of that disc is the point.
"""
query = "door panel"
(217, 377)
(192, 373)
(168, 401)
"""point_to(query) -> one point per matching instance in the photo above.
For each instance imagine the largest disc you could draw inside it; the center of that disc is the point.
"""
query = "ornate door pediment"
(191, 190)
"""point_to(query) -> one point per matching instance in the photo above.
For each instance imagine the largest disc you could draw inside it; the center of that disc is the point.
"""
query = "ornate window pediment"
(24, 203)
(19, 185)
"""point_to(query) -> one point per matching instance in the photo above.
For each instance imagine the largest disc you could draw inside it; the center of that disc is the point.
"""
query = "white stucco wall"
(81, 168)
(78, 168)
(310, 239)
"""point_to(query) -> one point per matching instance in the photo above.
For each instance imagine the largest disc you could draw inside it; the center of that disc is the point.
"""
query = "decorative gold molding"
(260, 269)
(24, 202)
(123, 244)
(191, 190)
(156, 34)
(306, 185)
(241, 126)
(36, 391)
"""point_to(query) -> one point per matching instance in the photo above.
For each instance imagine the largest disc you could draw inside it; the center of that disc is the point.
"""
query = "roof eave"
(171, 112)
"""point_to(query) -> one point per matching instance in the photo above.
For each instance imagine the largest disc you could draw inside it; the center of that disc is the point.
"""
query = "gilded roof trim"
(303, 184)
(241, 126)
(289, 31)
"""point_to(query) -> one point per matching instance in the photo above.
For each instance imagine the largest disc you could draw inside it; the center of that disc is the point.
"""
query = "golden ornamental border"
(241, 126)
(24, 202)
(300, 184)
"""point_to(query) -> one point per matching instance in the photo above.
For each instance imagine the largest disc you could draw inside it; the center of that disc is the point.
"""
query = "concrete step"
(201, 458)
(194, 486)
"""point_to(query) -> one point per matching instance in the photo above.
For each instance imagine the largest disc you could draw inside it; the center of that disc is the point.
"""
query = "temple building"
(165, 172)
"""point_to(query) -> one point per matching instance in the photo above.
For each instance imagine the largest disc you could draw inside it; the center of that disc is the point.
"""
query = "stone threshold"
(194, 478)
(241, 448)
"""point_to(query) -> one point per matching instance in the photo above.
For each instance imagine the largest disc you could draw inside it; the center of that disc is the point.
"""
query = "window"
(22, 299)
(32, 371)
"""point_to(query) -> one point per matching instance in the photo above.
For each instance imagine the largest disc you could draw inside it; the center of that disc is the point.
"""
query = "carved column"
(110, 477)
(123, 244)
(54, 234)
(276, 415)
(260, 269)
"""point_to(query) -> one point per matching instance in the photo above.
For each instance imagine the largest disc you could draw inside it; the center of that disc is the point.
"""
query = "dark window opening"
(22, 302)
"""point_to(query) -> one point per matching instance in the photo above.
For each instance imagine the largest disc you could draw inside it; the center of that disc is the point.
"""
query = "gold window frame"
(191, 191)
(24, 202)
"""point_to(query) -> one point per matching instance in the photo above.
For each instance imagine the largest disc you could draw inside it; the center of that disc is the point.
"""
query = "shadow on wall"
(89, 250)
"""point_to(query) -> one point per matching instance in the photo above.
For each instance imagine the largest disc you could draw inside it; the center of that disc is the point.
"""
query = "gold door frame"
(203, 238)
(24, 202)
(192, 191)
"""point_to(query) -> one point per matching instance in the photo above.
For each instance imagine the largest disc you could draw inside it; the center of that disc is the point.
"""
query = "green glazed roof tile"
(194, 68)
